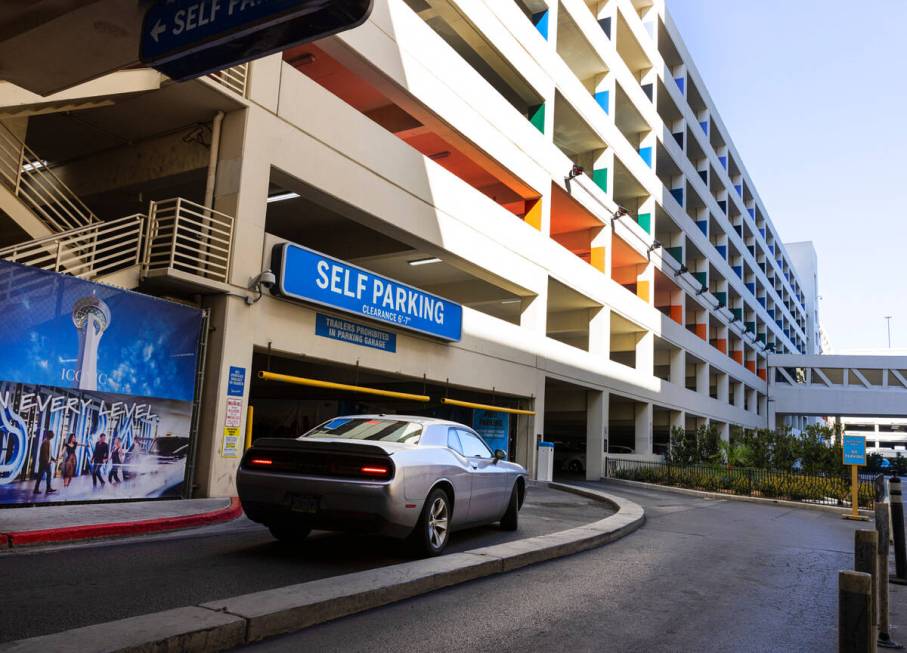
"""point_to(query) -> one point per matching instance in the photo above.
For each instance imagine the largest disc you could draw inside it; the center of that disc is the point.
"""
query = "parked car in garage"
(413, 478)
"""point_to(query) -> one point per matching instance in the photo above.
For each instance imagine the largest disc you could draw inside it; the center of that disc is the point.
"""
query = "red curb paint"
(122, 529)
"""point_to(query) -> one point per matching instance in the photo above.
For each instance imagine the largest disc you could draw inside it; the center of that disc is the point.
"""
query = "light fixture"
(655, 245)
(282, 197)
(439, 155)
(620, 212)
(511, 301)
(681, 270)
(424, 261)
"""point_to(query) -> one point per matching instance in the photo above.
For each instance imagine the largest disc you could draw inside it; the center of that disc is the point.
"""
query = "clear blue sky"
(813, 95)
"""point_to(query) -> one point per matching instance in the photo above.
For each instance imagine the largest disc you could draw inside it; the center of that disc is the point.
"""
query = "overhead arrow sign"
(189, 38)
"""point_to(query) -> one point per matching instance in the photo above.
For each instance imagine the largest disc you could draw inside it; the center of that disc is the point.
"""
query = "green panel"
(738, 313)
(537, 116)
(677, 253)
(702, 277)
(645, 221)
(761, 337)
(722, 298)
(600, 177)
(751, 327)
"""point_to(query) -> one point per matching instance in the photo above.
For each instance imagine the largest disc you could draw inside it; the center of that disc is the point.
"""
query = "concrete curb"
(736, 497)
(121, 529)
(219, 625)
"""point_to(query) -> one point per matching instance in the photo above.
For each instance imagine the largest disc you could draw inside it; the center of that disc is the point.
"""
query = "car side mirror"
(499, 454)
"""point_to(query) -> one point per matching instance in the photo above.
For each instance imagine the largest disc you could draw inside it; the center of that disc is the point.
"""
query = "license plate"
(308, 505)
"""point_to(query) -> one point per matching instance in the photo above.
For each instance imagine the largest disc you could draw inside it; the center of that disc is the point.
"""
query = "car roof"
(416, 419)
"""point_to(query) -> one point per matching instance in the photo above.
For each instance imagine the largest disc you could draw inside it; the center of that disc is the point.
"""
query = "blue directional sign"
(188, 38)
(305, 274)
(854, 450)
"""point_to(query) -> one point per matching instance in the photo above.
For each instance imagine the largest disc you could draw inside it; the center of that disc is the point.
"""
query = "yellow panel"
(597, 258)
(534, 215)
(642, 290)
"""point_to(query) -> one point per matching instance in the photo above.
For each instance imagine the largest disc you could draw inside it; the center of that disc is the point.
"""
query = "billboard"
(96, 390)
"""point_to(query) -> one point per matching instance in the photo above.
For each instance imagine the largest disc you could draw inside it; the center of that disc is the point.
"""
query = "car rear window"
(355, 428)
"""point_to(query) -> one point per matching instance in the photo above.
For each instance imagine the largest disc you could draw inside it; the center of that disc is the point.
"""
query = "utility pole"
(888, 322)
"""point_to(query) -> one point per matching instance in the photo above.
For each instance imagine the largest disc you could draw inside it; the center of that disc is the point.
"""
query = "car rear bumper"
(342, 504)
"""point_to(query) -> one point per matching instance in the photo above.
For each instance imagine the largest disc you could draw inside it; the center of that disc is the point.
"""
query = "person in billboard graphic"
(116, 459)
(69, 459)
(45, 460)
(101, 451)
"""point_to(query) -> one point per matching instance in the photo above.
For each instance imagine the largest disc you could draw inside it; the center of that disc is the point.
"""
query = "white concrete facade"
(446, 129)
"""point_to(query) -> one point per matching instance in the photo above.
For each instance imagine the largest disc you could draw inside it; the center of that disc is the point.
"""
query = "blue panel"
(540, 20)
(723, 161)
(705, 126)
(314, 277)
(605, 24)
(703, 226)
(681, 84)
(704, 175)
(761, 300)
(738, 270)
(752, 213)
(739, 189)
(679, 138)
(722, 204)
(603, 98)
(751, 286)
(646, 154)
(647, 89)
(355, 333)
(762, 231)
(739, 229)
(678, 195)
(722, 249)
(854, 450)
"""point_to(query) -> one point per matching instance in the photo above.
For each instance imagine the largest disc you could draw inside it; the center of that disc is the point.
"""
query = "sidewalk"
(72, 523)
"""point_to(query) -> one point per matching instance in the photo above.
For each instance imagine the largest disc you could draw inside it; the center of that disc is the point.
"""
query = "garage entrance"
(289, 410)
(565, 426)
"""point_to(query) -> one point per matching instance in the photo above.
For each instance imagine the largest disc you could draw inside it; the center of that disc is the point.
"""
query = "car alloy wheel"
(438, 516)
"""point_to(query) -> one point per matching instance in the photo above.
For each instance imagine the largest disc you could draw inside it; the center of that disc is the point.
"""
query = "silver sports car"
(406, 477)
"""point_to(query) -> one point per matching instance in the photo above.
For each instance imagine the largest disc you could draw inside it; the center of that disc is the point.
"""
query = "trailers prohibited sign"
(188, 38)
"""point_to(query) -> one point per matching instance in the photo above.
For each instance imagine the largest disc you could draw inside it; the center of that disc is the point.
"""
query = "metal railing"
(235, 78)
(27, 177)
(187, 237)
(86, 252)
(829, 489)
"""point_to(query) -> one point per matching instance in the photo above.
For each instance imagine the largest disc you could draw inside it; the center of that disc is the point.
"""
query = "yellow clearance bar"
(499, 409)
(316, 383)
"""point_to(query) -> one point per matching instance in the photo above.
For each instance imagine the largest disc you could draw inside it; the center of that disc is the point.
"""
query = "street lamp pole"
(888, 322)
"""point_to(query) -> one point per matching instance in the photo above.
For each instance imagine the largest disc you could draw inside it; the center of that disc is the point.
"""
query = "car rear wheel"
(289, 533)
(433, 530)
(510, 520)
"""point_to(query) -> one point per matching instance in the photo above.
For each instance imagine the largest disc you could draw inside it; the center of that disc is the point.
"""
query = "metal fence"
(829, 490)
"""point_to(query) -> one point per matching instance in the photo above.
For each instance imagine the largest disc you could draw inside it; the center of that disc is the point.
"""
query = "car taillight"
(374, 470)
(260, 462)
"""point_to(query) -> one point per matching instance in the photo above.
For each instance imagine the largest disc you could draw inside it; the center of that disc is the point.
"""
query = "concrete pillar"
(738, 395)
(724, 384)
(596, 432)
(643, 443)
(538, 426)
(600, 332)
(724, 431)
(702, 378)
(645, 353)
(678, 367)
(534, 313)
(243, 175)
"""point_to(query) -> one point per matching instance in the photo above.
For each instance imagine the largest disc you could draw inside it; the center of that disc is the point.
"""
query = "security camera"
(267, 279)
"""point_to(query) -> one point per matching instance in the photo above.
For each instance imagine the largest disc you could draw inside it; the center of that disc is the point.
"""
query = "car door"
(460, 474)
(488, 479)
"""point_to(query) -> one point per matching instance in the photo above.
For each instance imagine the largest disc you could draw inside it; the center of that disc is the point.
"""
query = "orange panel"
(534, 214)
(751, 366)
(677, 314)
(701, 331)
(720, 344)
(761, 373)
(737, 356)
(597, 258)
(642, 290)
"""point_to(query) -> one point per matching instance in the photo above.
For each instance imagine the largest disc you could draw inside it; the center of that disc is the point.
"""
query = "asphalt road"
(701, 575)
(54, 589)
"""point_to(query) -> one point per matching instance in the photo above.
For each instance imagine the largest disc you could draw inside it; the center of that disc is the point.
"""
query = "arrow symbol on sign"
(158, 29)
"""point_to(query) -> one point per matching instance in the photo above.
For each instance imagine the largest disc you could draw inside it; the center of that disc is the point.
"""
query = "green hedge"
(832, 490)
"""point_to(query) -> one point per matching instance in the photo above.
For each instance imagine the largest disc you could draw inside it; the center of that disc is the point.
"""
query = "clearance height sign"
(310, 276)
